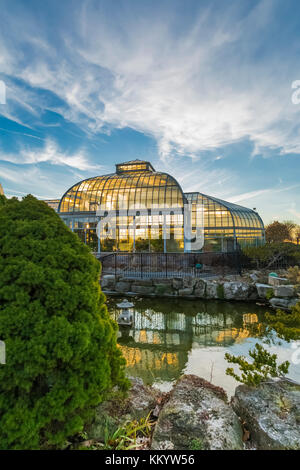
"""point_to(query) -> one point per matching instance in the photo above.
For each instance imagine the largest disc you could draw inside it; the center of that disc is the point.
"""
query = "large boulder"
(108, 282)
(146, 290)
(185, 292)
(263, 290)
(177, 282)
(197, 415)
(189, 282)
(140, 401)
(212, 290)
(287, 303)
(167, 281)
(200, 288)
(284, 291)
(237, 290)
(122, 286)
(271, 413)
(277, 281)
(143, 282)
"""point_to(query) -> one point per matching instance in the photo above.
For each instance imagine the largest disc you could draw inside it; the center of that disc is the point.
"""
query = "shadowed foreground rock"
(271, 413)
(197, 416)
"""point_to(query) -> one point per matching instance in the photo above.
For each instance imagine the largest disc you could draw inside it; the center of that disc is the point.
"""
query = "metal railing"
(164, 265)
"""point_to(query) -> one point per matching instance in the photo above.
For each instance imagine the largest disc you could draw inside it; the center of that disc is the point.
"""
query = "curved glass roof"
(135, 185)
(219, 213)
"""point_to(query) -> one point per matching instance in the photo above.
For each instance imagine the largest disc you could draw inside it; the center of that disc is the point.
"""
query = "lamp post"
(125, 317)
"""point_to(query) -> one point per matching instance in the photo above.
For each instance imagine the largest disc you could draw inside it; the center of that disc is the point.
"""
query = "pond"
(171, 337)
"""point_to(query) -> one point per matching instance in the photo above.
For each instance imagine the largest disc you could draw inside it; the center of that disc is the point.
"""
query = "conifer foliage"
(61, 353)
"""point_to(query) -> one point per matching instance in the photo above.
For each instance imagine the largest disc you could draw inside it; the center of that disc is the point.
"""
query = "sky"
(202, 89)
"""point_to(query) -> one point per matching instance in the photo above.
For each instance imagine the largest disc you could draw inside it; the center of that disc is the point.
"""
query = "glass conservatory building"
(137, 209)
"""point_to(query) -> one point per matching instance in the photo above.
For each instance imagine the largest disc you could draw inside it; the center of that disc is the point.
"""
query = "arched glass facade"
(227, 225)
(148, 208)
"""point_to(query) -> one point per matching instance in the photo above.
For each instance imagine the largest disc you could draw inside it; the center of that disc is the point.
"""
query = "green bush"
(141, 245)
(264, 365)
(270, 294)
(294, 275)
(196, 444)
(62, 357)
(270, 255)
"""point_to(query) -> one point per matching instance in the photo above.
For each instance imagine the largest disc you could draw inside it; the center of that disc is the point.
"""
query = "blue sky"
(201, 88)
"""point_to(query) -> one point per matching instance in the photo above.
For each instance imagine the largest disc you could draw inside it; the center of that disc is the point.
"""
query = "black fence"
(278, 261)
(156, 265)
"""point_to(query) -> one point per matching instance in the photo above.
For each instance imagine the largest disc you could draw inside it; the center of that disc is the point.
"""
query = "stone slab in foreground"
(271, 413)
(197, 416)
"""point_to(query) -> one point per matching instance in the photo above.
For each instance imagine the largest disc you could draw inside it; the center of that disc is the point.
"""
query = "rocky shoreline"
(197, 415)
(252, 286)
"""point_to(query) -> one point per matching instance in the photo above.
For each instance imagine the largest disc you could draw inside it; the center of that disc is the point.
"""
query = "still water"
(171, 337)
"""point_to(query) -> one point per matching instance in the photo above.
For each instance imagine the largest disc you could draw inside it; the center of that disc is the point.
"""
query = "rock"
(143, 282)
(185, 291)
(292, 302)
(109, 276)
(211, 290)
(253, 295)
(166, 281)
(236, 290)
(277, 281)
(177, 283)
(279, 303)
(271, 413)
(108, 282)
(200, 288)
(142, 289)
(284, 291)
(125, 279)
(288, 303)
(197, 414)
(122, 286)
(189, 282)
(263, 289)
(141, 400)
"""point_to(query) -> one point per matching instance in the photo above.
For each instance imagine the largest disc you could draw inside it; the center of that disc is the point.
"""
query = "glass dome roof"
(135, 185)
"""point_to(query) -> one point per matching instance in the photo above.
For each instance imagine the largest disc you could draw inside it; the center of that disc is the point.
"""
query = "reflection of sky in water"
(171, 337)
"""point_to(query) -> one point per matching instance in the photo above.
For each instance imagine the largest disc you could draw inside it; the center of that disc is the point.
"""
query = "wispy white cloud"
(50, 153)
(181, 87)
(273, 203)
(249, 195)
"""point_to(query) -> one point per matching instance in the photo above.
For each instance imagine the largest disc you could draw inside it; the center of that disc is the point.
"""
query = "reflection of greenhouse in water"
(158, 345)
